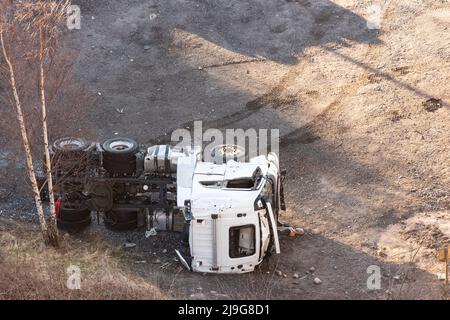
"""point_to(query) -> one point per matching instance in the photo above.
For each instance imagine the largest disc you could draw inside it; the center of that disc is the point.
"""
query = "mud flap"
(182, 260)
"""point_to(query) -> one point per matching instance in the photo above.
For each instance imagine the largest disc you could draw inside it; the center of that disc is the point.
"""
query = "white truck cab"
(232, 209)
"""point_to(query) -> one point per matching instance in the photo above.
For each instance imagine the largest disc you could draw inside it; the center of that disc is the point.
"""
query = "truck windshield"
(244, 183)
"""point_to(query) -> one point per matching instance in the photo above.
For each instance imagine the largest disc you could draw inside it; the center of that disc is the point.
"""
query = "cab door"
(238, 239)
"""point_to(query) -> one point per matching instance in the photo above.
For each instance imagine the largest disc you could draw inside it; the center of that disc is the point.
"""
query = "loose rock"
(381, 253)
(432, 104)
(300, 231)
(441, 276)
(197, 296)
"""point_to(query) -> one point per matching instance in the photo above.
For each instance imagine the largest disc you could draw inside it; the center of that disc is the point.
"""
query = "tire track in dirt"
(253, 106)
(273, 96)
(220, 123)
(302, 133)
(309, 132)
(230, 63)
(273, 99)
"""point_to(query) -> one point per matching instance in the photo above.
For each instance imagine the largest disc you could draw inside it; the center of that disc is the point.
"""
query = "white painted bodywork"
(215, 209)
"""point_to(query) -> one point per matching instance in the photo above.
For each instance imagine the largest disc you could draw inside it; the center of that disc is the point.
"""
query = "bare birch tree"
(42, 22)
(25, 141)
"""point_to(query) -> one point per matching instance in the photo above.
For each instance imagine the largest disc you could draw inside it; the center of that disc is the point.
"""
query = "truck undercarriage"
(226, 211)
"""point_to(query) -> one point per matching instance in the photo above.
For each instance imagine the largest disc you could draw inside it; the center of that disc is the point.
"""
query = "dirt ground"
(368, 164)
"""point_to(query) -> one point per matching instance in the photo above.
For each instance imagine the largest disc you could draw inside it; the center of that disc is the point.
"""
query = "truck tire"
(120, 226)
(70, 145)
(69, 155)
(73, 212)
(121, 220)
(73, 227)
(119, 155)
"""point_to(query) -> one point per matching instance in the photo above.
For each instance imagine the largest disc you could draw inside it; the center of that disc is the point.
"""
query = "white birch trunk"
(45, 132)
(25, 142)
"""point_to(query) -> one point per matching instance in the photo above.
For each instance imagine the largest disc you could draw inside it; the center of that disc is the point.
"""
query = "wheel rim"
(121, 145)
(70, 144)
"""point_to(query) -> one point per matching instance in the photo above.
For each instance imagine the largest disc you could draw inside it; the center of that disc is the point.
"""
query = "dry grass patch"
(30, 270)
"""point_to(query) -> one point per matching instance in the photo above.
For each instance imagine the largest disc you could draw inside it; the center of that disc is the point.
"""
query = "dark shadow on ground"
(341, 269)
(299, 24)
(130, 57)
(274, 30)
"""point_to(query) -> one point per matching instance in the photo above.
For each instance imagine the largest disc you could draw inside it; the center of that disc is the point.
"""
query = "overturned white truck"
(226, 210)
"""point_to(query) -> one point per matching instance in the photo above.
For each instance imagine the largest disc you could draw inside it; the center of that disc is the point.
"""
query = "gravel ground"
(367, 159)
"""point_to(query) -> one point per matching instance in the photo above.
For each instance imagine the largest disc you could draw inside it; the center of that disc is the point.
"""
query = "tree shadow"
(375, 73)
(273, 30)
(146, 68)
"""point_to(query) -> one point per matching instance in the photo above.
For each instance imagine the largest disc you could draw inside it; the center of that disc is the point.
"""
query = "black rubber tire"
(119, 155)
(76, 213)
(121, 220)
(70, 144)
(69, 154)
(120, 226)
(120, 146)
(73, 227)
(122, 215)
